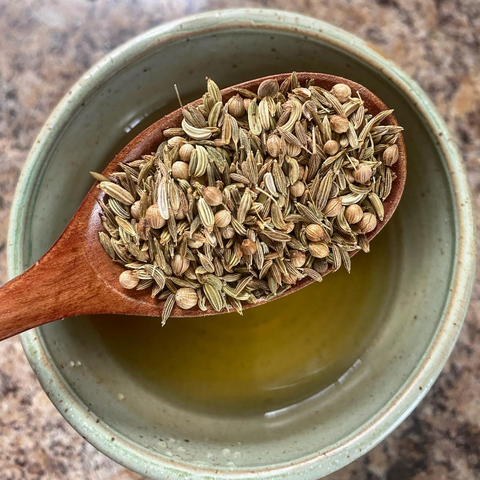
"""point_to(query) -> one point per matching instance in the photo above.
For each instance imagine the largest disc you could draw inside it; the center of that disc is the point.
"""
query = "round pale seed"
(185, 152)
(135, 210)
(363, 173)
(292, 150)
(297, 189)
(174, 141)
(268, 88)
(180, 264)
(315, 233)
(333, 207)
(318, 249)
(339, 123)
(390, 155)
(341, 91)
(353, 214)
(195, 243)
(367, 223)
(273, 145)
(228, 232)
(222, 218)
(186, 298)
(128, 280)
(213, 196)
(180, 170)
(154, 219)
(248, 247)
(236, 107)
(297, 258)
(331, 147)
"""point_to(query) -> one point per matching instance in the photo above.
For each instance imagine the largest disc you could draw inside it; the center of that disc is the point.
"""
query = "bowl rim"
(140, 459)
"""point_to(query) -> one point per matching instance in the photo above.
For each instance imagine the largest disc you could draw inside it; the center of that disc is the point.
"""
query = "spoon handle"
(60, 284)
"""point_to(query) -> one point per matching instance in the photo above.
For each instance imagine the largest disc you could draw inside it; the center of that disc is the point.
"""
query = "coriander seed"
(153, 217)
(185, 152)
(318, 249)
(213, 196)
(363, 173)
(315, 232)
(331, 147)
(248, 247)
(180, 171)
(186, 298)
(390, 155)
(128, 279)
(222, 218)
(339, 123)
(353, 214)
(342, 92)
(333, 207)
(368, 223)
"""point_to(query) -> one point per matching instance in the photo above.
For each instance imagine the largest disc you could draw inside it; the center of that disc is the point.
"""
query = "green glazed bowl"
(428, 293)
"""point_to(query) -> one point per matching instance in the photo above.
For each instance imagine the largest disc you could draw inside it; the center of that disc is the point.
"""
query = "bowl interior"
(421, 242)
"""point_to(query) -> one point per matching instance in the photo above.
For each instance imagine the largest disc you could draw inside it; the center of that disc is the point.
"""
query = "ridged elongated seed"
(106, 244)
(270, 184)
(214, 114)
(324, 190)
(197, 133)
(126, 225)
(205, 213)
(198, 162)
(162, 200)
(99, 177)
(244, 206)
(253, 120)
(377, 205)
(313, 274)
(167, 308)
(213, 296)
(295, 114)
(117, 192)
(276, 236)
(280, 179)
(213, 90)
(289, 137)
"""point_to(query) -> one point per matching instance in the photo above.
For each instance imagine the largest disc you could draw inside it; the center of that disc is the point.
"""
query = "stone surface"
(45, 45)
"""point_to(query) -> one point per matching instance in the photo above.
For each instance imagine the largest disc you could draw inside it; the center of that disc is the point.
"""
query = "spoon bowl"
(77, 277)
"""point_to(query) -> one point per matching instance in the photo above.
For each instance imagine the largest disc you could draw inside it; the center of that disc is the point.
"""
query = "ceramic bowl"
(429, 280)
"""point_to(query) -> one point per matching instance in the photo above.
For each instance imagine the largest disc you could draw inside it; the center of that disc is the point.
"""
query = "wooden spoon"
(76, 277)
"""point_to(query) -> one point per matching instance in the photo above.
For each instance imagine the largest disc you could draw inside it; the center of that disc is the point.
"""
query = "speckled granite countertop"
(46, 44)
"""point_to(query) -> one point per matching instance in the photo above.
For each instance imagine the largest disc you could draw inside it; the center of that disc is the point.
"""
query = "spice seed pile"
(249, 196)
